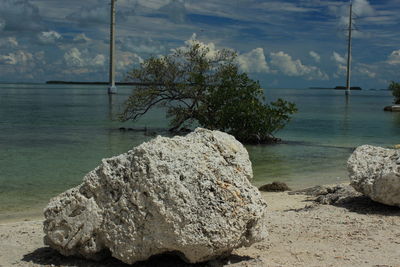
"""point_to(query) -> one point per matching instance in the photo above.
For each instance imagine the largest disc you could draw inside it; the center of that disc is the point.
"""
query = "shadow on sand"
(344, 196)
(364, 205)
(48, 256)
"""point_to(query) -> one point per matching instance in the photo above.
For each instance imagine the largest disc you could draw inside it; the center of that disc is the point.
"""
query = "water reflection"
(298, 163)
(395, 119)
(112, 102)
(346, 117)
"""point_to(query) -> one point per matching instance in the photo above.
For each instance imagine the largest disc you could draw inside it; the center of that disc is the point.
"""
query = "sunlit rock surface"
(375, 172)
(186, 195)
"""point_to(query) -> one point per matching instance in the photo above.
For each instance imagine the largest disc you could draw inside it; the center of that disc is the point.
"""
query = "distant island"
(337, 88)
(344, 88)
(93, 83)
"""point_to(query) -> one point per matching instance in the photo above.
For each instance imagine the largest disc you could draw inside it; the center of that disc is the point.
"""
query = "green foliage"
(395, 87)
(197, 85)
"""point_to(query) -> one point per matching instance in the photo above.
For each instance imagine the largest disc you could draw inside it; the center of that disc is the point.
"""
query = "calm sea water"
(52, 135)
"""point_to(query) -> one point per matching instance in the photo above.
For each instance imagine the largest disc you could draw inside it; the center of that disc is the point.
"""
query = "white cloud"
(126, 60)
(315, 56)
(141, 46)
(253, 61)
(212, 50)
(39, 57)
(363, 8)
(49, 37)
(9, 59)
(341, 70)
(75, 58)
(98, 60)
(394, 58)
(18, 58)
(153, 4)
(341, 63)
(360, 8)
(77, 71)
(285, 7)
(338, 58)
(285, 64)
(81, 38)
(366, 72)
(10, 42)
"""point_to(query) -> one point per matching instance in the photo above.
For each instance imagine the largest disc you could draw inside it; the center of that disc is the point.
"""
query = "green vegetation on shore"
(198, 86)
(395, 88)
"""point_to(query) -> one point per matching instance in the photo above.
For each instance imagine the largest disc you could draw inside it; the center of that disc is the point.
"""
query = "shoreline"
(36, 213)
(21, 217)
(301, 233)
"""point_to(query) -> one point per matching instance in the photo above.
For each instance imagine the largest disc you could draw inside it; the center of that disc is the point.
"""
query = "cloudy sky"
(282, 43)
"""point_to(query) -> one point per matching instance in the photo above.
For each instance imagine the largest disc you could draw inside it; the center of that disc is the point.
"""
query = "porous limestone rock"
(330, 194)
(275, 187)
(185, 195)
(375, 172)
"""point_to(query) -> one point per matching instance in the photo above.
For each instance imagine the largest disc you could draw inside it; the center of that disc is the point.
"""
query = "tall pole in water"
(112, 89)
(349, 50)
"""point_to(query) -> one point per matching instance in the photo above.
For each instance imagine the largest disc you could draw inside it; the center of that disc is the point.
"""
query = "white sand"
(301, 233)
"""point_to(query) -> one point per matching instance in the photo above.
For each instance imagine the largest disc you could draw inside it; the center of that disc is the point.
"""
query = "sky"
(281, 43)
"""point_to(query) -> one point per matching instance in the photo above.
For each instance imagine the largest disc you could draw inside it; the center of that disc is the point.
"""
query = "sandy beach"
(301, 233)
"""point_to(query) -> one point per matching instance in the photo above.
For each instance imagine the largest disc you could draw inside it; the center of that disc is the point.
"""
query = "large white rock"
(186, 195)
(375, 172)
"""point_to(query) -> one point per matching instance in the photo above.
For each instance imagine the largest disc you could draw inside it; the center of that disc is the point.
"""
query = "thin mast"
(349, 50)
(112, 89)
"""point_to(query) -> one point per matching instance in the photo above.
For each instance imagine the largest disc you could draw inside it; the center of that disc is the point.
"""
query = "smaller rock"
(339, 194)
(311, 191)
(392, 108)
(274, 187)
(375, 172)
(397, 146)
(396, 108)
(329, 195)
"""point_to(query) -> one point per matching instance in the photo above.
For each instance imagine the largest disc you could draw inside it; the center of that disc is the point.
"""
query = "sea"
(52, 135)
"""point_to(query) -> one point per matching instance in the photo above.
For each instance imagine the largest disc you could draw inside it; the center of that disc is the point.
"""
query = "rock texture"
(375, 172)
(330, 194)
(274, 187)
(185, 195)
(393, 108)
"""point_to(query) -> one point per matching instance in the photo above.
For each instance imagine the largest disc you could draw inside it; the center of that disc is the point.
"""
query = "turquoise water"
(52, 135)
